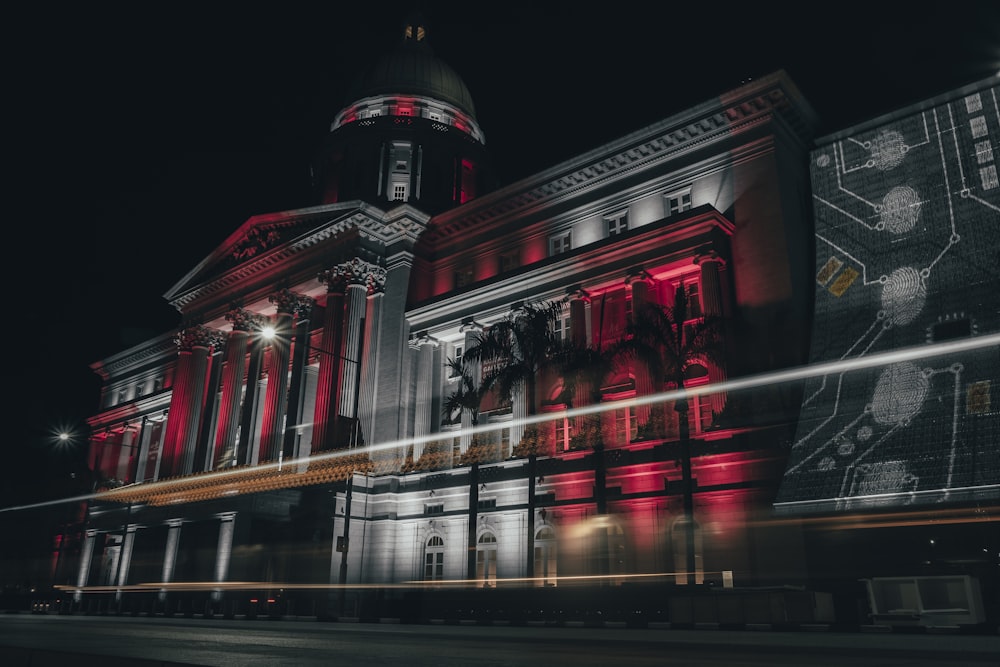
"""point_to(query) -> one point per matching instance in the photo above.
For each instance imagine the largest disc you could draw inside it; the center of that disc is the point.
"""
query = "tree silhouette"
(514, 353)
(668, 345)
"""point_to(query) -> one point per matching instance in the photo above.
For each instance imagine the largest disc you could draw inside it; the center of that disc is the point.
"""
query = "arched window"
(545, 557)
(434, 559)
(486, 559)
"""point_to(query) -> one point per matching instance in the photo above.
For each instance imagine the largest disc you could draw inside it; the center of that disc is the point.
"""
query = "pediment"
(264, 241)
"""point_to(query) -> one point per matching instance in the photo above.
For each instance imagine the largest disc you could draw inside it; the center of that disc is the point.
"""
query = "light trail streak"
(287, 469)
(156, 586)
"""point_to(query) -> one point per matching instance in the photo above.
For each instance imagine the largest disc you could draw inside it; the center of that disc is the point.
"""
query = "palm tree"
(467, 397)
(667, 344)
(583, 370)
(514, 353)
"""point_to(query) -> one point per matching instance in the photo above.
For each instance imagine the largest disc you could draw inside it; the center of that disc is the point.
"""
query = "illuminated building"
(324, 456)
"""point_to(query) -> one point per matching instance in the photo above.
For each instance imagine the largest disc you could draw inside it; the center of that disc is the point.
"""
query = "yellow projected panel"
(843, 281)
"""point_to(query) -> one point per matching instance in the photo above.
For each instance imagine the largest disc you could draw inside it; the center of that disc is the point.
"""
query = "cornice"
(668, 238)
(136, 356)
(403, 223)
(735, 113)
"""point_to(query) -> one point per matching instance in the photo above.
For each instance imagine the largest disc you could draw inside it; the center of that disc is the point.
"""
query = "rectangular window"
(694, 300)
(434, 566)
(559, 244)
(626, 426)
(561, 326)
(564, 431)
(678, 202)
(468, 183)
(374, 113)
(399, 192)
(616, 223)
(487, 504)
(699, 414)
(510, 260)
(463, 277)
(434, 509)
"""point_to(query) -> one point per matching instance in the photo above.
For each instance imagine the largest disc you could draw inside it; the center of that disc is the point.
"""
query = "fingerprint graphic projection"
(903, 296)
(907, 216)
(900, 210)
(899, 392)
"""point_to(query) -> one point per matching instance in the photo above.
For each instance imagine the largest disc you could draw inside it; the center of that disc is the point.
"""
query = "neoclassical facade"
(293, 431)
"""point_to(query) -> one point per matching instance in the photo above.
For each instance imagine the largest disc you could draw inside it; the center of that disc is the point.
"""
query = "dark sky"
(144, 134)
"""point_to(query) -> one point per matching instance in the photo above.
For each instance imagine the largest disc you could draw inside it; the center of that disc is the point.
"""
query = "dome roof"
(412, 69)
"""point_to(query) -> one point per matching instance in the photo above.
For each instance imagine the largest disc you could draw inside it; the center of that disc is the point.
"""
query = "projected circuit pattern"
(907, 254)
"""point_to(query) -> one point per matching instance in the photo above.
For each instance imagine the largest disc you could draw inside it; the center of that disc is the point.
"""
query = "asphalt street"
(39, 640)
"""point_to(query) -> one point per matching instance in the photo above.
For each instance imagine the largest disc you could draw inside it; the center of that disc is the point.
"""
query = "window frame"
(561, 243)
(677, 202)
(616, 224)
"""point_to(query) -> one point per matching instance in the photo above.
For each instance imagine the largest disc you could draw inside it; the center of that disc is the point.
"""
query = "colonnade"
(261, 383)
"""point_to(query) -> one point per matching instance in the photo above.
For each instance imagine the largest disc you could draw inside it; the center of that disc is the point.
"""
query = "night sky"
(143, 135)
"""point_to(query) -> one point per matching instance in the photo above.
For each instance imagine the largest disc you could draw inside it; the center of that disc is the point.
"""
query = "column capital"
(243, 320)
(421, 339)
(470, 325)
(353, 272)
(289, 302)
(577, 293)
(198, 335)
(638, 275)
(708, 255)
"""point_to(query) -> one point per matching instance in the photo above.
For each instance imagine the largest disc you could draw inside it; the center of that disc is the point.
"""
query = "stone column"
(137, 466)
(187, 399)
(711, 303)
(300, 358)
(519, 403)
(125, 554)
(86, 555)
(423, 413)
(579, 300)
(472, 331)
(356, 298)
(368, 390)
(170, 553)
(639, 282)
(126, 453)
(330, 363)
(276, 392)
(224, 549)
(244, 322)
(204, 449)
(249, 413)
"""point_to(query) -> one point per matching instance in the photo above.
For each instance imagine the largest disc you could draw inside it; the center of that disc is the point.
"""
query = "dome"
(412, 69)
